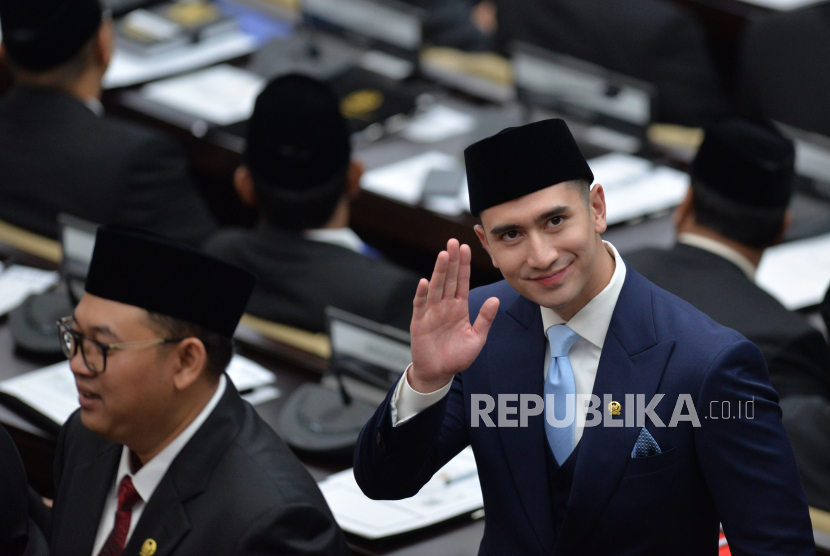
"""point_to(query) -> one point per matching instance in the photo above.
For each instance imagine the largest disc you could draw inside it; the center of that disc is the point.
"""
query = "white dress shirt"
(95, 105)
(146, 479)
(344, 237)
(720, 249)
(591, 323)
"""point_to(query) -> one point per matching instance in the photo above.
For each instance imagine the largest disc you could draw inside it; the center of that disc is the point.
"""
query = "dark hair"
(62, 75)
(300, 209)
(756, 227)
(218, 348)
(584, 186)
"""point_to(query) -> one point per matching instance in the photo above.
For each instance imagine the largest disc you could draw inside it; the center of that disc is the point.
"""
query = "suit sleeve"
(294, 529)
(14, 523)
(392, 463)
(747, 460)
(160, 195)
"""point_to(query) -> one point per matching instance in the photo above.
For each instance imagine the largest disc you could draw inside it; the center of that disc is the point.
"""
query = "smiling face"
(547, 245)
(132, 400)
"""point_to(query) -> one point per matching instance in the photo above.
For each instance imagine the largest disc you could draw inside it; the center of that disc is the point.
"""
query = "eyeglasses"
(93, 352)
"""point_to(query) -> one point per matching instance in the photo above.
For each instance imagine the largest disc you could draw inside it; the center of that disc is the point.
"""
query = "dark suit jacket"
(797, 355)
(652, 40)
(235, 488)
(298, 278)
(56, 156)
(14, 520)
(737, 471)
(784, 68)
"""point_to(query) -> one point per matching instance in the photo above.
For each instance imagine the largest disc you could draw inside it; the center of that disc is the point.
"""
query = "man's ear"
(596, 201)
(243, 184)
(190, 361)
(482, 237)
(105, 44)
(785, 225)
(353, 175)
(685, 212)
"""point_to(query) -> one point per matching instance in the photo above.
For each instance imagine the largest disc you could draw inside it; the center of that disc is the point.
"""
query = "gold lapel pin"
(148, 548)
(614, 408)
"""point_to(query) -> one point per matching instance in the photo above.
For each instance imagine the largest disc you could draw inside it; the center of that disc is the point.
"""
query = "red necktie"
(127, 498)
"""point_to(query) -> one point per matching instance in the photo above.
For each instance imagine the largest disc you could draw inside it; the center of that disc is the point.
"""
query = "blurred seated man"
(14, 521)
(298, 172)
(59, 153)
(164, 456)
(453, 23)
(736, 208)
(652, 40)
(784, 68)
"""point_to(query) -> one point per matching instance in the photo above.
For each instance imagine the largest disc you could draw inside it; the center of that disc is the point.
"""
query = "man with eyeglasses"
(164, 456)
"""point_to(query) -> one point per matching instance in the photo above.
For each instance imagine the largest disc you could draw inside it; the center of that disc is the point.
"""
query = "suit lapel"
(632, 362)
(515, 367)
(90, 485)
(164, 519)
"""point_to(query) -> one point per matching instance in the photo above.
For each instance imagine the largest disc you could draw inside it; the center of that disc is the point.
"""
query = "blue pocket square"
(645, 446)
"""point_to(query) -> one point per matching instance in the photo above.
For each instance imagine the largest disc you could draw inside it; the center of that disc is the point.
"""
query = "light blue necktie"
(560, 383)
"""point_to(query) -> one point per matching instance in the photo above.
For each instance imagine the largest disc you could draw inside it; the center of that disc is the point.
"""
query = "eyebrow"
(102, 329)
(555, 211)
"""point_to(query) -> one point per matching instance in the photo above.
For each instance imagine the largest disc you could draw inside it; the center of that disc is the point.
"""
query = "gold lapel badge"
(148, 548)
(614, 408)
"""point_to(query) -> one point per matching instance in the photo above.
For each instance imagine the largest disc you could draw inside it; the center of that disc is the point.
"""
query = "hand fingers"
(419, 304)
(463, 288)
(451, 283)
(439, 274)
(486, 316)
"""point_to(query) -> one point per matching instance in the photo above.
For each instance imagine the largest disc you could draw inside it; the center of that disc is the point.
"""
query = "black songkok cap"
(42, 34)
(518, 161)
(163, 276)
(746, 162)
(297, 137)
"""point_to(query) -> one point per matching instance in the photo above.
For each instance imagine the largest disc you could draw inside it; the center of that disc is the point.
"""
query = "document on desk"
(404, 180)
(453, 491)
(797, 273)
(634, 187)
(19, 282)
(51, 391)
(222, 94)
(438, 122)
(129, 69)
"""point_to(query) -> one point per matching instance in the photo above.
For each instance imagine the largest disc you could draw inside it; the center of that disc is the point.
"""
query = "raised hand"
(444, 342)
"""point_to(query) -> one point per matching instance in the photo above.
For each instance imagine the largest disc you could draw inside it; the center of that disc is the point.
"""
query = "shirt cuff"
(407, 403)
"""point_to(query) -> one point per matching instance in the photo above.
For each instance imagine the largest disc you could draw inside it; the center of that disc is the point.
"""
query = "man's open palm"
(443, 340)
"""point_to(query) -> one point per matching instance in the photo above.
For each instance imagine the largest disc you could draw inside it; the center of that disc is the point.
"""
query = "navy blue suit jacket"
(737, 471)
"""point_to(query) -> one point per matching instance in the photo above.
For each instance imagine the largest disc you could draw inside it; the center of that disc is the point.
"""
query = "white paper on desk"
(52, 391)
(454, 490)
(19, 282)
(634, 187)
(437, 123)
(451, 206)
(404, 181)
(128, 68)
(797, 273)
(222, 94)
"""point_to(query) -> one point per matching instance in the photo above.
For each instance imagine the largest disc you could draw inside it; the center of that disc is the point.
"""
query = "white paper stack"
(797, 273)
(222, 94)
(19, 282)
(404, 180)
(453, 491)
(634, 187)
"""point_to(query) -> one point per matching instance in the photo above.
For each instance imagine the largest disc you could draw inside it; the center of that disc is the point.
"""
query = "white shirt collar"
(593, 320)
(150, 475)
(95, 105)
(344, 237)
(716, 247)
